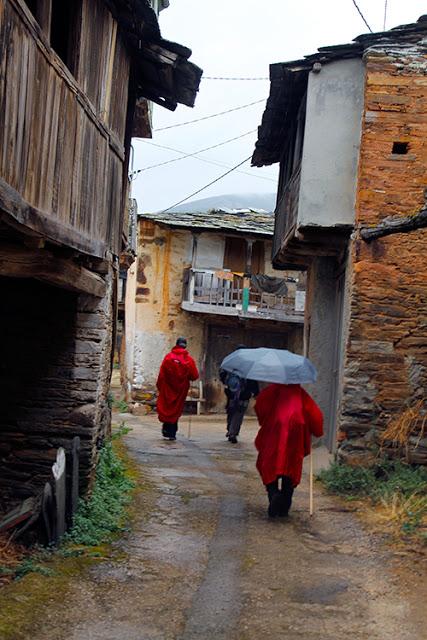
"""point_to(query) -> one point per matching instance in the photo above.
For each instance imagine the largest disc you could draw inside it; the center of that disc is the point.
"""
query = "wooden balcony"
(287, 212)
(62, 136)
(227, 294)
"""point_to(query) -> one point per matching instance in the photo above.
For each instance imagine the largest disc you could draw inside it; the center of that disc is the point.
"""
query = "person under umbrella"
(288, 417)
(238, 392)
(176, 371)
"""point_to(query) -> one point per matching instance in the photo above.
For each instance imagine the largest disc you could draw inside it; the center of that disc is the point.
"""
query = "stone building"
(71, 74)
(348, 126)
(206, 276)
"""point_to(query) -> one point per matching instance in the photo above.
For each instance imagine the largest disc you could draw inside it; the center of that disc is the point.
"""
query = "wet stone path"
(203, 561)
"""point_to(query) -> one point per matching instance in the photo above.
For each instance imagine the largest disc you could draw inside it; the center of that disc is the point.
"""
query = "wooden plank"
(64, 164)
(35, 220)
(395, 224)
(20, 514)
(44, 16)
(18, 262)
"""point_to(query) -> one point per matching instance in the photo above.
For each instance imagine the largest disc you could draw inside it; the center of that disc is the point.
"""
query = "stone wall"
(386, 358)
(54, 375)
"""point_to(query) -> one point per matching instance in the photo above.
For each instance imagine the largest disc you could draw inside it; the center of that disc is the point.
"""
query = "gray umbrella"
(270, 365)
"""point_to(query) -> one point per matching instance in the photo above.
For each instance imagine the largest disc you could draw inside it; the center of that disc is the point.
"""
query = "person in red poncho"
(176, 371)
(288, 417)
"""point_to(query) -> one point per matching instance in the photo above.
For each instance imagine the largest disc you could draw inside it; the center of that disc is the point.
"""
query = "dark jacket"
(248, 388)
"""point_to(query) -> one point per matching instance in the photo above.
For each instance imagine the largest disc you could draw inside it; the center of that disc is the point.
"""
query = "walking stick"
(311, 480)
(189, 427)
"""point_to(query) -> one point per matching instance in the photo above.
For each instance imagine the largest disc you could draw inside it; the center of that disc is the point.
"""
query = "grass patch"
(36, 579)
(396, 494)
(121, 406)
(102, 515)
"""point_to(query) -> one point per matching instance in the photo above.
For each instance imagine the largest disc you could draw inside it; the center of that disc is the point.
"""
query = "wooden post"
(75, 463)
(59, 478)
(44, 16)
(311, 481)
(191, 287)
(249, 244)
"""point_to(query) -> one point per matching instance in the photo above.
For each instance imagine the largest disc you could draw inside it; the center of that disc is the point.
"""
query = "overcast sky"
(240, 38)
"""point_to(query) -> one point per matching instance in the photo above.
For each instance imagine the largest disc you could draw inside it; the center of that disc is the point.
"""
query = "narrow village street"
(204, 561)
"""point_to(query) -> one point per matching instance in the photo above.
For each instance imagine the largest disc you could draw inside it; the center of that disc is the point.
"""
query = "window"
(65, 31)
(235, 254)
(258, 258)
(32, 5)
(400, 148)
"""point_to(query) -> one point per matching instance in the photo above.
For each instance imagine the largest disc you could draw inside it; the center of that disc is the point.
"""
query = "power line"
(361, 15)
(207, 185)
(213, 115)
(224, 78)
(191, 155)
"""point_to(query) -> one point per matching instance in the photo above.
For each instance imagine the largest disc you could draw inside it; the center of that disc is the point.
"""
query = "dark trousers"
(169, 429)
(235, 415)
(280, 494)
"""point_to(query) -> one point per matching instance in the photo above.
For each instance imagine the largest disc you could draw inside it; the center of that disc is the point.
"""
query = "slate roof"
(237, 221)
(162, 68)
(288, 82)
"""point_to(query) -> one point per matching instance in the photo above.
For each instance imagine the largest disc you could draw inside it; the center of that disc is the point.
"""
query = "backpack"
(234, 383)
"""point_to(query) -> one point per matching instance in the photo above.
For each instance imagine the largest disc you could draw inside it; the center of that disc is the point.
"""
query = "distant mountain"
(266, 201)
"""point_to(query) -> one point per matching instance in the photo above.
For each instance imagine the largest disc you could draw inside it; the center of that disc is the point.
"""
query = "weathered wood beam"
(12, 203)
(395, 225)
(44, 16)
(17, 262)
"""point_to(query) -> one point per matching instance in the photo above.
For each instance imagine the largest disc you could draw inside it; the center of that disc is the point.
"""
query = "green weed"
(101, 516)
(395, 490)
(121, 406)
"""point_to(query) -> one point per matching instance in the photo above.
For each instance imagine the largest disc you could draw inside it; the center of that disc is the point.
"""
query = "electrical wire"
(224, 78)
(214, 162)
(188, 155)
(207, 185)
(213, 115)
(361, 15)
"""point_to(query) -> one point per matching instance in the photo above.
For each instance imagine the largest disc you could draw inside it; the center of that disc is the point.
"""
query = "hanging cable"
(385, 15)
(213, 115)
(207, 185)
(253, 174)
(361, 15)
(188, 155)
(224, 78)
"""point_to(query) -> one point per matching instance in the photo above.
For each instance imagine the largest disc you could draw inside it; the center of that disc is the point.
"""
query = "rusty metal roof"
(246, 222)
(288, 83)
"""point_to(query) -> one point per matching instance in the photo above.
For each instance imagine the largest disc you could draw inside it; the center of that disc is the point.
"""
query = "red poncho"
(288, 417)
(176, 371)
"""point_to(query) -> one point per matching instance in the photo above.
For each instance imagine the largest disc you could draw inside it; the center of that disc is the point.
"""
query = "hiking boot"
(232, 439)
(278, 505)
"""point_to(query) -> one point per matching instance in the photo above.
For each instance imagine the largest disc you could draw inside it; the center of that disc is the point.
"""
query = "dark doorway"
(222, 340)
(235, 254)
(37, 368)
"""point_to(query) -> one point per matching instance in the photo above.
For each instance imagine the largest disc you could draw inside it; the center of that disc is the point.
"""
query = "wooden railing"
(230, 294)
(287, 212)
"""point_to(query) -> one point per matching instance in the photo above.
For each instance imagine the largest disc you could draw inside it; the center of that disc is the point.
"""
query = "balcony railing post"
(191, 286)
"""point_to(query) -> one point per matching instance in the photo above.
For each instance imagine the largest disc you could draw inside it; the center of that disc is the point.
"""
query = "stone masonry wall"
(386, 356)
(54, 373)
